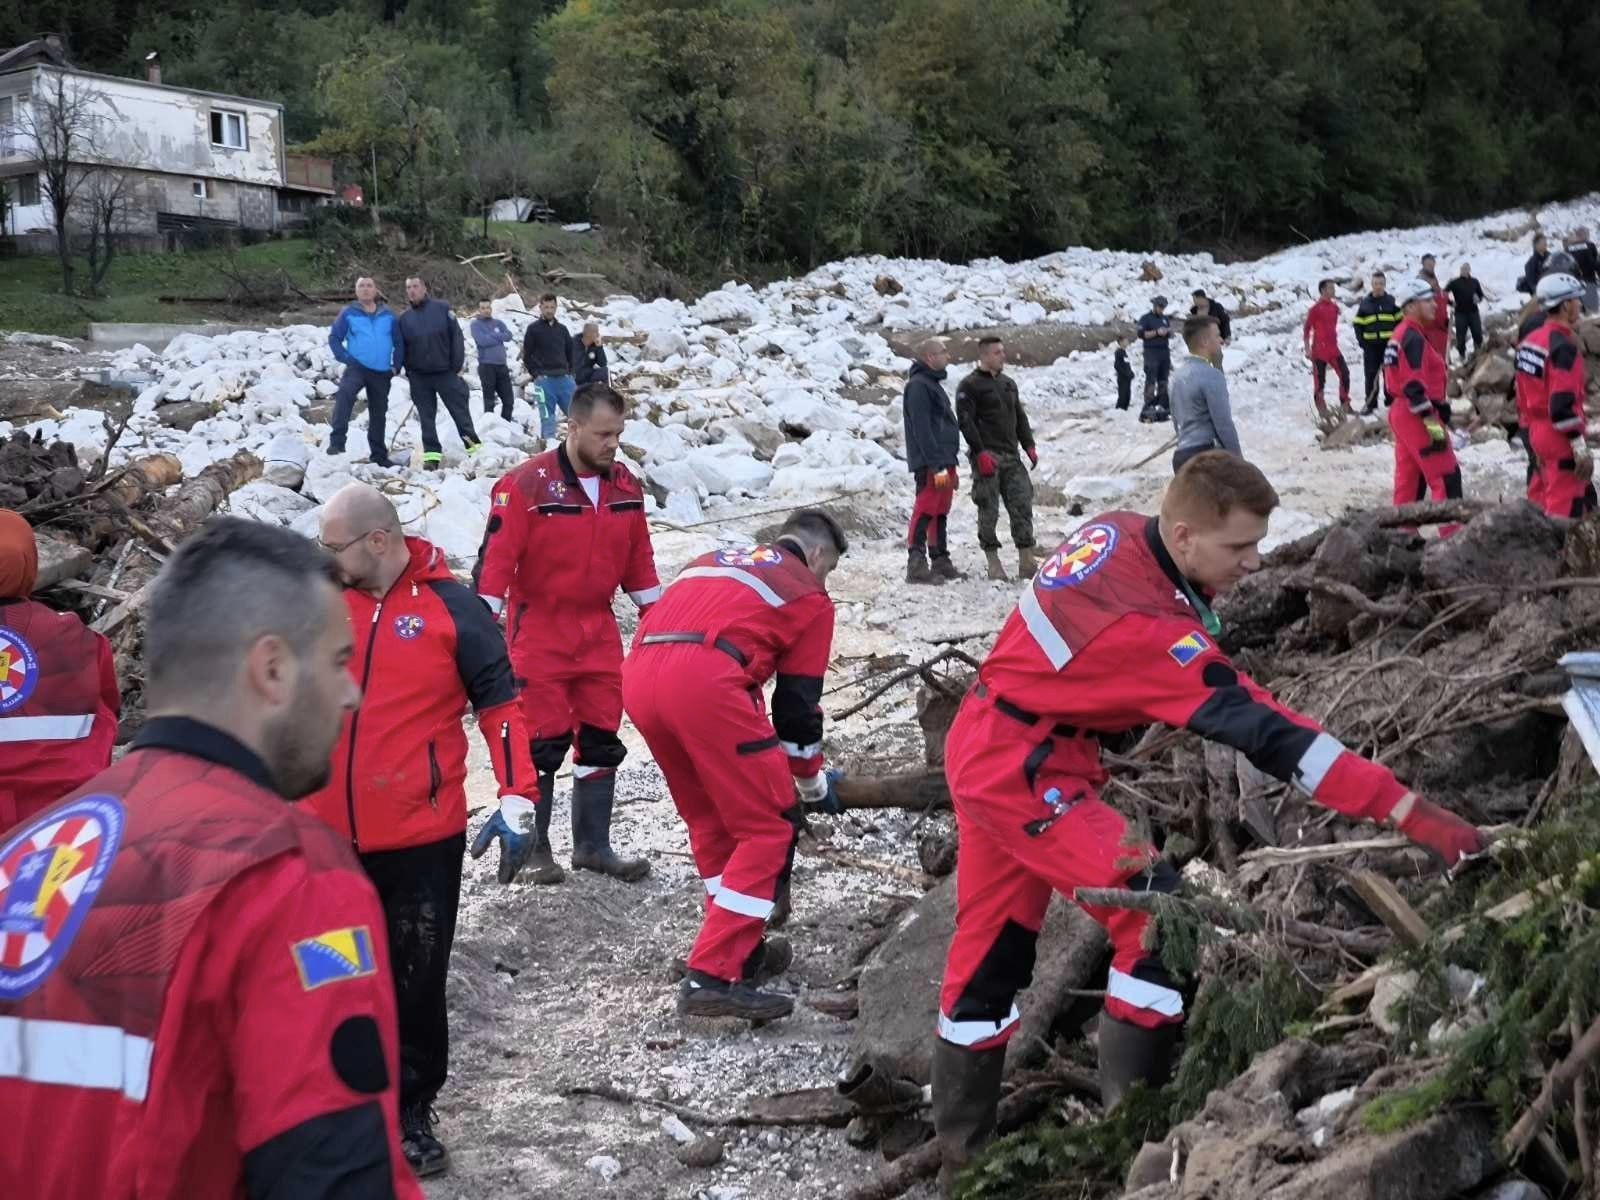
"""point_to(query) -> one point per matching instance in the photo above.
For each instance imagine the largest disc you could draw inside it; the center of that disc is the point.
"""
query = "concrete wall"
(250, 206)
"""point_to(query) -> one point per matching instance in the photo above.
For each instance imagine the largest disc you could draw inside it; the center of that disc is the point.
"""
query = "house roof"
(40, 53)
(30, 52)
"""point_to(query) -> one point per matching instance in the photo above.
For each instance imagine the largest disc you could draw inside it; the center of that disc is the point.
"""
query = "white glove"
(813, 790)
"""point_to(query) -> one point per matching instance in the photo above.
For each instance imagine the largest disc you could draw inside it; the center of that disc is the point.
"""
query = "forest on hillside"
(790, 132)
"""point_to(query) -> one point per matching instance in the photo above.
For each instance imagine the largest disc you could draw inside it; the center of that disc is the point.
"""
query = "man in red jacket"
(729, 622)
(59, 699)
(1115, 631)
(426, 649)
(566, 530)
(1320, 333)
(1437, 330)
(1414, 379)
(1550, 393)
(194, 979)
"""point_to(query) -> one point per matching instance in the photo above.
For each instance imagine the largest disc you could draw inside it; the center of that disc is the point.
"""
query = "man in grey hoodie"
(1199, 391)
(490, 336)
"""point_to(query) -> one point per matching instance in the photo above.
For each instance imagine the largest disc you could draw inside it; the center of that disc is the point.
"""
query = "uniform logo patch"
(556, 489)
(753, 556)
(334, 957)
(51, 870)
(408, 626)
(19, 670)
(1188, 648)
(1080, 556)
(502, 499)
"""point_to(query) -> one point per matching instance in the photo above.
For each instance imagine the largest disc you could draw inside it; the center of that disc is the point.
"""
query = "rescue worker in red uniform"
(1414, 379)
(1550, 393)
(1115, 631)
(1437, 327)
(729, 622)
(194, 979)
(1320, 333)
(565, 530)
(426, 649)
(59, 699)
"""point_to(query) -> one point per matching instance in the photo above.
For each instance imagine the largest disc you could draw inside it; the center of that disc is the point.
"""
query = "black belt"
(697, 639)
(1017, 713)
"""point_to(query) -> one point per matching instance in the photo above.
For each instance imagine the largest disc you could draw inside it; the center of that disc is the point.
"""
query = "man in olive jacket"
(994, 426)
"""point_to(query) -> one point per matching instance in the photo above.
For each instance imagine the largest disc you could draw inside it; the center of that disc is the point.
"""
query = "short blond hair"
(1211, 485)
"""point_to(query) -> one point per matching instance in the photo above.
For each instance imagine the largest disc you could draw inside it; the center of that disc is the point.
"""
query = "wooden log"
(914, 790)
(60, 560)
(155, 473)
(1385, 900)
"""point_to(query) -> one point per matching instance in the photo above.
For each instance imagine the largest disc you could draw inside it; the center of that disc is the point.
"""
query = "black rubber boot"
(771, 958)
(943, 568)
(701, 995)
(423, 1151)
(592, 798)
(917, 569)
(1130, 1055)
(542, 866)
(966, 1096)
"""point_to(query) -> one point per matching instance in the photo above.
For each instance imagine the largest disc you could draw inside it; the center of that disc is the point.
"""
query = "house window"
(202, 190)
(25, 191)
(227, 129)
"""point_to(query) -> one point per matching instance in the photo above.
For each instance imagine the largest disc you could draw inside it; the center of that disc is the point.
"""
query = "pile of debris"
(1439, 658)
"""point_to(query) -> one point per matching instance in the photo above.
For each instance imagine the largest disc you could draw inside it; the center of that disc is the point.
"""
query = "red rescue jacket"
(1414, 372)
(1550, 379)
(194, 977)
(1438, 330)
(424, 652)
(1107, 637)
(766, 605)
(1321, 326)
(59, 705)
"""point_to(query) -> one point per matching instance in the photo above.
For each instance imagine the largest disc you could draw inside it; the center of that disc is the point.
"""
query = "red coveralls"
(1103, 640)
(194, 991)
(1550, 392)
(1414, 377)
(729, 622)
(59, 704)
(560, 559)
(930, 511)
(1321, 326)
(1438, 330)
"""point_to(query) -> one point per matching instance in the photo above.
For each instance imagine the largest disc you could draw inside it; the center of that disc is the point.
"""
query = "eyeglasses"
(347, 545)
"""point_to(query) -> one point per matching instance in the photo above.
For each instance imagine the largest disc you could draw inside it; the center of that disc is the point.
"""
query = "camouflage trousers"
(1011, 486)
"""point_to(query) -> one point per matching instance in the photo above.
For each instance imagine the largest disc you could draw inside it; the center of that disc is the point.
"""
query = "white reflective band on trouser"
(646, 595)
(46, 729)
(713, 885)
(73, 1055)
(495, 603)
(1141, 993)
(579, 771)
(1316, 762)
(797, 751)
(1044, 634)
(970, 1033)
(745, 906)
(738, 576)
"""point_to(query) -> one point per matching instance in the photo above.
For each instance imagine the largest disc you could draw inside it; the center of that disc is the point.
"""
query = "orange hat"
(19, 556)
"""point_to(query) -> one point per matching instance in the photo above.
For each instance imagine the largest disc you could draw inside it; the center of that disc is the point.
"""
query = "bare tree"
(106, 199)
(60, 121)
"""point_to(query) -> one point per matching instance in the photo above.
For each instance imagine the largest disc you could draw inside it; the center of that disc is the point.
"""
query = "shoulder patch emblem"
(19, 670)
(753, 556)
(1188, 648)
(1080, 556)
(51, 871)
(408, 626)
(334, 957)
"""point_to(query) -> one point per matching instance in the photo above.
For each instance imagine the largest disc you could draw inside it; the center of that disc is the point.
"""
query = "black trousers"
(420, 889)
(355, 378)
(1184, 454)
(1155, 380)
(1468, 322)
(1124, 390)
(1372, 370)
(496, 381)
(427, 389)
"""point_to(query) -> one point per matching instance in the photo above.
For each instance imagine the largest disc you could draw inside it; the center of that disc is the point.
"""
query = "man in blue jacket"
(366, 339)
(933, 445)
(435, 352)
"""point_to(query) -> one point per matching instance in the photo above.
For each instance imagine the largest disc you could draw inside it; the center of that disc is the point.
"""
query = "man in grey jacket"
(490, 335)
(435, 354)
(1199, 390)
(933, 443)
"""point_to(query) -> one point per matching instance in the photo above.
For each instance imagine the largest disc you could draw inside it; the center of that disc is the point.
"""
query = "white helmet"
(1556, 289)
(1415, 289)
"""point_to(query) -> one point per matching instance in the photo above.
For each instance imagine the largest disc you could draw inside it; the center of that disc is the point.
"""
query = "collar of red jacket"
(427, 562)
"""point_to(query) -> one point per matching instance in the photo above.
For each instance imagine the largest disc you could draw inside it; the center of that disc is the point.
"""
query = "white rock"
(673, 475)
(284, 460)
(683, 508)
(677, 1130)
(604, 1166)
(1099, 487)
(263, 501)
(724, 470)
(807, 410)
(663, 344)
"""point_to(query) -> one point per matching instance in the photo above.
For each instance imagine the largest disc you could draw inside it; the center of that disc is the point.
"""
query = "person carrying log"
(1550, 394)
(730, 621)
(1115, 631)
(59, 700)
(1414, 379)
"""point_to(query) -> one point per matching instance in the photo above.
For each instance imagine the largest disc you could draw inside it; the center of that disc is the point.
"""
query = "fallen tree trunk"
(914, 790)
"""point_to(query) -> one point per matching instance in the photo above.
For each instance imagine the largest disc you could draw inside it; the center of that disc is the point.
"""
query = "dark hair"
(1322, 283)
(1194, 328)
(989, 340)
(1380, 275)
(1199, 294)
(817, 527)
(1212, 484)
(591, 394)
(550, 296)
(1426, 257)
(231, 584)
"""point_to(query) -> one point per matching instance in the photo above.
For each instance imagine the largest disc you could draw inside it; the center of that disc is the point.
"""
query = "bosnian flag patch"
(1188, 648)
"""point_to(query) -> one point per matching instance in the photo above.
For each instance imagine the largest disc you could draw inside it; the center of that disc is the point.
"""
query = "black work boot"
(592, 798)
(702, 995)
(943, 568)
(917, 570)
(966, 1096)
(771, 958)
(423, 1151)
(542, 866)
(1130, 1055)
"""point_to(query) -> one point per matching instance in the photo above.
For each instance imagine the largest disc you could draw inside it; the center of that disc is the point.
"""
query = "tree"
(107, 201)
(60, 123)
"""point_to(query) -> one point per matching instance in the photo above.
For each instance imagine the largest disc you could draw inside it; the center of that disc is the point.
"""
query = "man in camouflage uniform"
(994, 425)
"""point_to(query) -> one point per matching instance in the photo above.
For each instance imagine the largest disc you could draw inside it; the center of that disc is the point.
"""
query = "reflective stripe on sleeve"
(713, 885)
(738, 576)
(1141, 993)
(1045, 635)
(794, 750)
(970, 1033)
(102, 1057)
(1316, 762)
(46, 729)
(646, 595)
